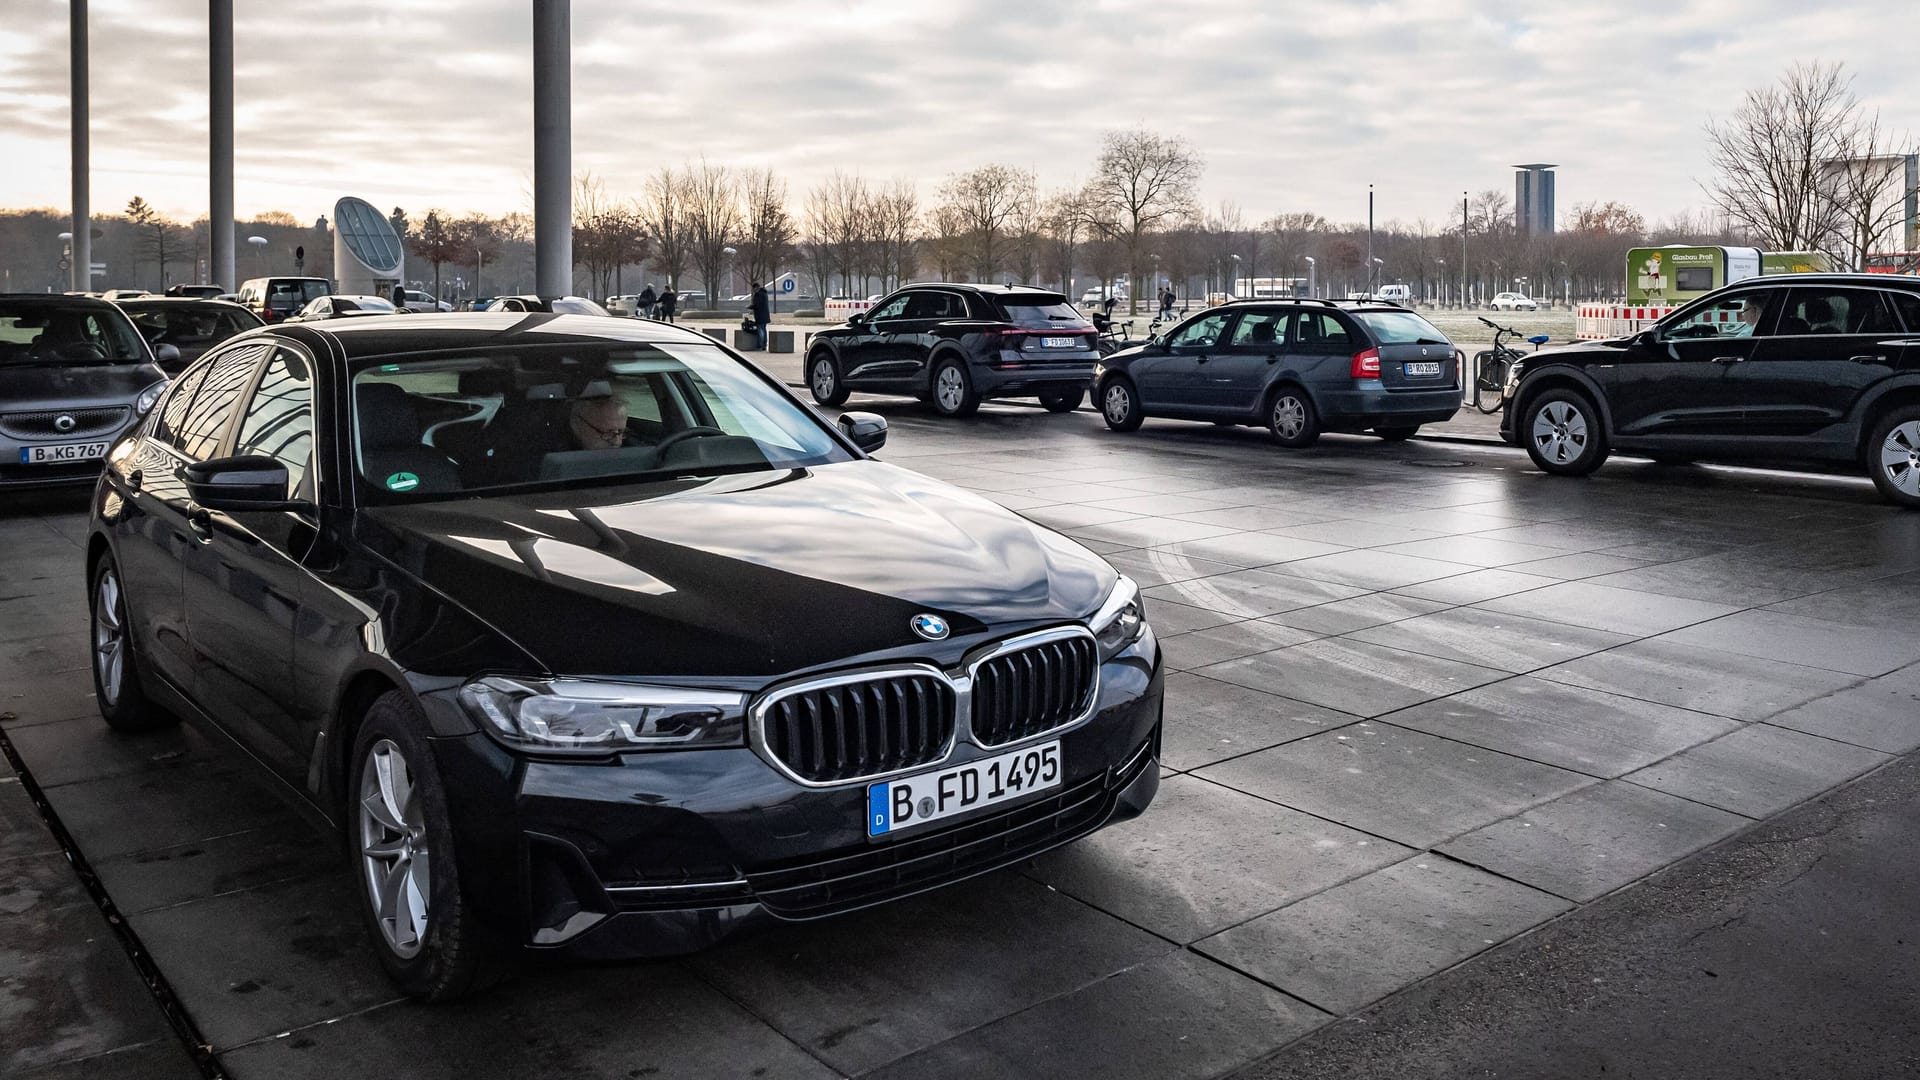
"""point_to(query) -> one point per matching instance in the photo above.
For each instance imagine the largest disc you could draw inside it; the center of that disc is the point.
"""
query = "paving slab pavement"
(1418, 711)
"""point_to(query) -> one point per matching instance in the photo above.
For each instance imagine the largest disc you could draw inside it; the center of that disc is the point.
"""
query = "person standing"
(399, 296)
(1166, 302)
(643, 304)
(668, 301)
(762, 313)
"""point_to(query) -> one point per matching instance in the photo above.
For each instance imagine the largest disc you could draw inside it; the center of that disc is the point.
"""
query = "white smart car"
(1513, 301)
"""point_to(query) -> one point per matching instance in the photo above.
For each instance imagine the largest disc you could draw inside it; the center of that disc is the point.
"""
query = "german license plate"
(63, 454)
(897, 805)
(1058, 342)
(1428, 367)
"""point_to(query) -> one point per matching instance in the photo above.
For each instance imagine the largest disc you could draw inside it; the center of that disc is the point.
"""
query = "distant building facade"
(367, 256)
(1533, 199)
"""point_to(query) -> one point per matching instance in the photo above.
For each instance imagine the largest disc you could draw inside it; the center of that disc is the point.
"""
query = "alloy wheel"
(1560, 432)
(950, 388)
(1900, 457)
(393, 845)
(823, 378)
(1289, 416)
(109, 636)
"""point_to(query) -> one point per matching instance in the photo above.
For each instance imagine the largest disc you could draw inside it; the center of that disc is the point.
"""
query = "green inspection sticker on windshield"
(402, 481)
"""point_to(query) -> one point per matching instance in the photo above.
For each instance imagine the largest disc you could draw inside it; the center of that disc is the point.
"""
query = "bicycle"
(1494, 367)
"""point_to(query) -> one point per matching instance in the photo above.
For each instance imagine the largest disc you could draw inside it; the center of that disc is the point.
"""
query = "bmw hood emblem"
(931, 627)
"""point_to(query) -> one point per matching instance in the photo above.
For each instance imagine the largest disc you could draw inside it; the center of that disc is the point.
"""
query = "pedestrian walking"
(668, 301)
(643, 304)
(1166, 302)
(762, 313)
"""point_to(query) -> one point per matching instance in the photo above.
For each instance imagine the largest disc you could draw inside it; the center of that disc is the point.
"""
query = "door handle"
(1868, 359)
(1273, 358)
(1729, 359)
(135, 479)
(200, 520)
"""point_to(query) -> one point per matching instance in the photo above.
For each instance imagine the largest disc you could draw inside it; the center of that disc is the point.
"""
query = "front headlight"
(144, 403)
(1120, 620)
(574, 715)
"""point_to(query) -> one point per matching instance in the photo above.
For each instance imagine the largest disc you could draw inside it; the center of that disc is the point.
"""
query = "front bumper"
(660, 854)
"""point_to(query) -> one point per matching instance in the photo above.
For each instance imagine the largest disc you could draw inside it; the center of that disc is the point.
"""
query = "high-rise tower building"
(1533, 199)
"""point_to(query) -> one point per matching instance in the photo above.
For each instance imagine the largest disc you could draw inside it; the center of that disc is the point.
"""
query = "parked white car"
(415, 300)
(1513, 301)
(1395, 294)
(1092, 297)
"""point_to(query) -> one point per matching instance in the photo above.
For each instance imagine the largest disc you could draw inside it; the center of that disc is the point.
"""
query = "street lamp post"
(729, 252)
(1233, 287)
(1463, 250)
(1442, 298)
(1370, 259)
(259, 252)
(1373, 275)
(1312, 276)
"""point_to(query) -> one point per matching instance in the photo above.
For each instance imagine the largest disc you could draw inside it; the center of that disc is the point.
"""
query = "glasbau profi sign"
(1675, 275)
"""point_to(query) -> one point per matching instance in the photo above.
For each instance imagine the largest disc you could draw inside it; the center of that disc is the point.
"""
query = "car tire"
(430, 944)
(1120, 404)
(1062, 401)
(117, 686)
(823, 379)
(1893, 456)
(1397, 434)
(1292, 418)
(1563, 434)
(952, 388)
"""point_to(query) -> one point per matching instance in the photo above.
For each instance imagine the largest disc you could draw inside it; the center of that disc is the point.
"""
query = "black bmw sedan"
(589, 640)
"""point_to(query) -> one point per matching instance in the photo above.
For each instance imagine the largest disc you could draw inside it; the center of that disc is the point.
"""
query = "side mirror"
(167, 353)
(247, 482)
(858, 318)
(868, 431)
(1648, 337)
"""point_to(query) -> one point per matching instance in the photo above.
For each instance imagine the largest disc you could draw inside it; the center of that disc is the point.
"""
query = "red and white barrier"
(837, 309)
(1598, 322)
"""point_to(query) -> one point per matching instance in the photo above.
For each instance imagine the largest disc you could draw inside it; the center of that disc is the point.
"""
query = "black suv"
(1815, 366)
(956, 345)
(1300, 367)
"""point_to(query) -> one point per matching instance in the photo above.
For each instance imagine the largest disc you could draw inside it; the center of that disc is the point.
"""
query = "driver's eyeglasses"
(609, 434)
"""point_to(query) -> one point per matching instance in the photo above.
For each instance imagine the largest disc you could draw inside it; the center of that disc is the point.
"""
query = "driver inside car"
(599, 423)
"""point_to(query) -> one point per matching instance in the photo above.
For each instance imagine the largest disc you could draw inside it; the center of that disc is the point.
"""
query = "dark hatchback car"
(74, 377)
(957, 345)
(1811, 367)
(1300, 368)
(190, 325)
(724, 669)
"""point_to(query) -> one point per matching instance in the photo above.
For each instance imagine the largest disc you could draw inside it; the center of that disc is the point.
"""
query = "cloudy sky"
(1293, 105)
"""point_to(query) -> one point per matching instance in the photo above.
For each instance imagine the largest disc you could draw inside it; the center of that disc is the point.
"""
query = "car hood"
(743, 576)
(57, 386)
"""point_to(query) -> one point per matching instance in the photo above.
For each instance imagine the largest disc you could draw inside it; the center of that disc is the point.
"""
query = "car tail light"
(1012, 338)
(1366, 365)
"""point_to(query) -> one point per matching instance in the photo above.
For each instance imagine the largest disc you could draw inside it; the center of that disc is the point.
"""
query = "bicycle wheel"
(1490, 382)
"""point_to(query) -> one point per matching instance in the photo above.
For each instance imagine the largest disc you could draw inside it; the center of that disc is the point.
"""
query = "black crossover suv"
(1299, 367)
(1807, 366)
(956, 345)
(589, 640)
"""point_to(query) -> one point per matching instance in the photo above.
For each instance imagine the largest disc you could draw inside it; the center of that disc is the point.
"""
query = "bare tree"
(663, 214)
(988, 200)
(159, 234)
(1868, 188)
(1063, 222)
(607, 234)
(435, 242)
(896, 219)
(768, 231)
(945, 240)
(477, 237)
(1770, 158)
(836, 227)
(1142, 183)
(713, 220)
(1292, 237)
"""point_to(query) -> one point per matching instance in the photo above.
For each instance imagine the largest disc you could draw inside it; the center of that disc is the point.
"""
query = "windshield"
(1401, 328)
(549, 417)
(575, 305)
(58, 330)
(290, 294)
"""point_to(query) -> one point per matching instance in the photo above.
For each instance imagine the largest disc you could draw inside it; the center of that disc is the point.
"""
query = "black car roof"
(391, 335)
(984, 290)
(176, 301)
(1897, 281)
